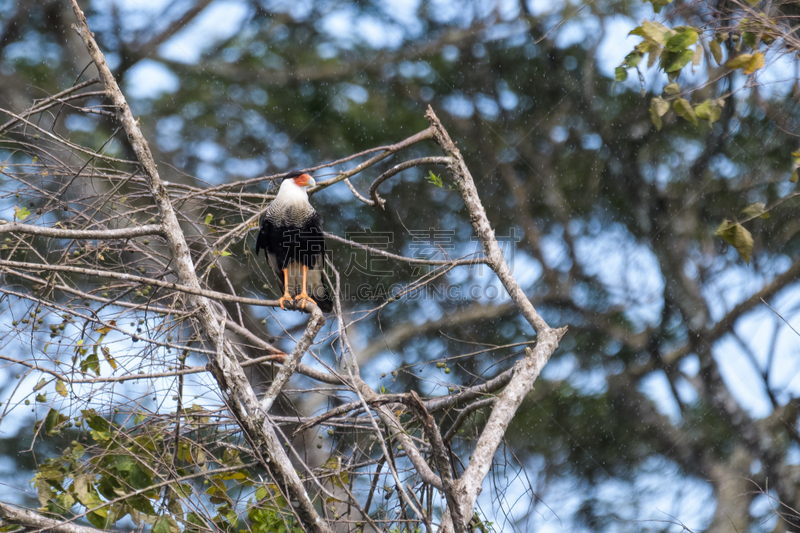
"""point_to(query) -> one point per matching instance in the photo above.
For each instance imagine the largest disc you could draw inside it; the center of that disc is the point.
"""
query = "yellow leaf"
(660, 106)
(716, 51)
(748, 62)
(684, 108)
(755, 63)
(61, 388)
(654, 49)
(107, 354)
(757, 209)
(656, 31)
(737, 236)
(698, 55)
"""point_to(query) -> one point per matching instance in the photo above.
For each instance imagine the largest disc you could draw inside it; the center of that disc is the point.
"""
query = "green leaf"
(97, 520)
(737, 236)
(21, 213)
(757, 209)
(674, 61)
(141, 504)
(684, 108)
(184, 451)
(40, 385)
(101, 428)
(795, 177)
(53, 420)
(672, 88)
(208, 220)
(161, 526)
(632, 59)
(78, 450)
(261, 493)
(139, 478)
(658, 5)
(683, 38)
(437, 180)
(223, 253)
(709, 110)
(194, 519)
(124, 463)
(183, 490)
(41, 398)
(90, 363)
(620, 74)
(749, 38)
(716, 51)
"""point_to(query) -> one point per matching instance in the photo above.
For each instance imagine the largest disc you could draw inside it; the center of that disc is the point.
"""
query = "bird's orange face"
(304, 180)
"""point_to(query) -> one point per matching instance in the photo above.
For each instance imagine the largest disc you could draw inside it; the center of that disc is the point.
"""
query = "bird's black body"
(291, 236)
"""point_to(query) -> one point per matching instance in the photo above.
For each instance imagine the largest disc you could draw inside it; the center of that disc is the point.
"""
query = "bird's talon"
(304, 297)
(284, 298)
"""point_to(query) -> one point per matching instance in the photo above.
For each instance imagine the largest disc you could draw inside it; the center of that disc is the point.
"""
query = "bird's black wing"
(263, 241)
(263, 237)
(320, 293)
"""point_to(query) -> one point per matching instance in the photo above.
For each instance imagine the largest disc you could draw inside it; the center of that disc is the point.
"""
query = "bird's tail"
(324, 300)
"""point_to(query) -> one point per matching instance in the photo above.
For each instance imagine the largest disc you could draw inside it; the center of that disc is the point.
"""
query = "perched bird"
(292, 239)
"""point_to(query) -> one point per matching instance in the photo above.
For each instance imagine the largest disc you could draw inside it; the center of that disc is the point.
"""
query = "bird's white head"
(294, 188)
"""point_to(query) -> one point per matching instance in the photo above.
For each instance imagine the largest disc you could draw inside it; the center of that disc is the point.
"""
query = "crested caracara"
(292, 239)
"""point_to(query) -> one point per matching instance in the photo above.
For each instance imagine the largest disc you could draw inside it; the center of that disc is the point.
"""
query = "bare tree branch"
(62, 233)
(527, 369)
(227, 370)
(29, 519)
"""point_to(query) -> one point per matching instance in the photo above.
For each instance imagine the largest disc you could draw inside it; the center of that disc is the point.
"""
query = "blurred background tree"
(673, 399)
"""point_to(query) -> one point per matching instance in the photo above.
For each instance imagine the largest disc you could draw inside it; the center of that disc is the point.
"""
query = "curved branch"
(387, 151)
(462, 416)
(357, 194)
(373, 189)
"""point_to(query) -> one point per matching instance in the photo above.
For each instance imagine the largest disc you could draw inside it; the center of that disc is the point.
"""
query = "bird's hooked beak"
(304, 180)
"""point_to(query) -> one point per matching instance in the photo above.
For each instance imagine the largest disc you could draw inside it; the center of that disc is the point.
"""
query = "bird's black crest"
(293, 174)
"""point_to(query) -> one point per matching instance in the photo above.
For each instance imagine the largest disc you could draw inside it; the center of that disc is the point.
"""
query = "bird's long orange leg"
(286, 296)
(303, 296)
